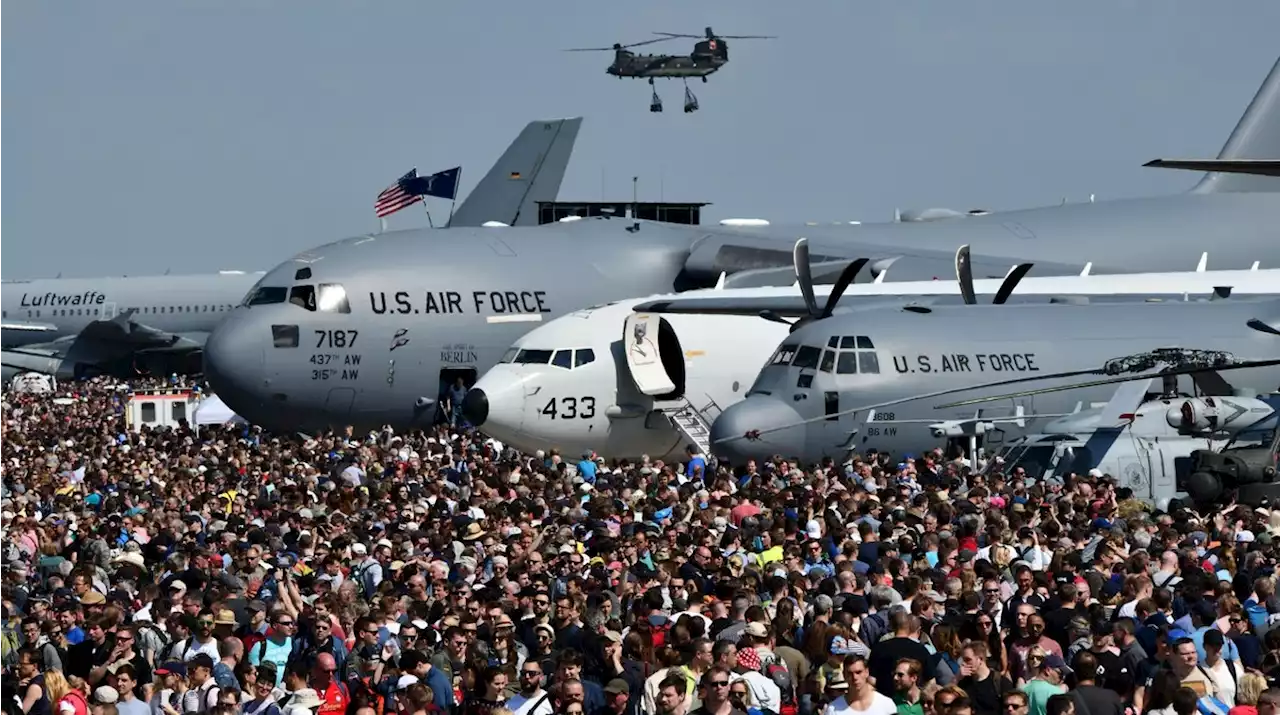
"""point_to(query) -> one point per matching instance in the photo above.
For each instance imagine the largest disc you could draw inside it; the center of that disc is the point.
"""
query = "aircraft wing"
(783, 306)
(103, 341)
(28, 328)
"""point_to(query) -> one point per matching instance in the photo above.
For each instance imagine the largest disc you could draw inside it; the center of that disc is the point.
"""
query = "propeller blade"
(1189, 370)
(1010, 282)
(804, 275)
(846, 279)
(1261, 327)
(964, 275)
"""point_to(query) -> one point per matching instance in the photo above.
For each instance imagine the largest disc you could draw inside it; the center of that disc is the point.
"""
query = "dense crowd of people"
(234, 572)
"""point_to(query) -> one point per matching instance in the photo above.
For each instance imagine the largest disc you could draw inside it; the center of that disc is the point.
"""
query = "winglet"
(529, 171)
(720, 281)
(1204, 262)
(1087, 267)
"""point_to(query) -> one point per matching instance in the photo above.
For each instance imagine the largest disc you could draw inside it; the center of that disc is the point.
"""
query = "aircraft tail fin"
(1256, 136)
(529, 171)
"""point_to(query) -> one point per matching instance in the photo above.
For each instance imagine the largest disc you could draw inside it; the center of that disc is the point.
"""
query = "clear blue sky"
(144, 135)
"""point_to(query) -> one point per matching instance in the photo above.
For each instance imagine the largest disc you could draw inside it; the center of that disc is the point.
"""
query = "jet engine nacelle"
(959, 428)
(16, 362)
(1215, 414)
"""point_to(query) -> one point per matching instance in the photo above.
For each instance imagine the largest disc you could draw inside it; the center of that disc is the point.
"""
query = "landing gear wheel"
(655, 103)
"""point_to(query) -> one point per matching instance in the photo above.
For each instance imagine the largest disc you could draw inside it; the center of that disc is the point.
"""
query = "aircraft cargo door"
(640, 339)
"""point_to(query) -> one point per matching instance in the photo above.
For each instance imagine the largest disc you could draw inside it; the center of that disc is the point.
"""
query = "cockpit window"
(784, 355)
(303, 296)
(267, 295)
(807, 357)
(533, 357)
(333, 299)
(563, 358)
(847, 363)
(510, 355)
(585, 356)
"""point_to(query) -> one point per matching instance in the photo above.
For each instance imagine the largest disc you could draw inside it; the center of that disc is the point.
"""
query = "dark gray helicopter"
(710, 53)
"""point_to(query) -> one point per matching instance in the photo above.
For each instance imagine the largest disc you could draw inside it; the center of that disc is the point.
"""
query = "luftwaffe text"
(484, 302)
(976, 362)
(89, 297)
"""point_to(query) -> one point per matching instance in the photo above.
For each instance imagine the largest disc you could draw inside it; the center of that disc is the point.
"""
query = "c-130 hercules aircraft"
(800, 406)
(404, 312)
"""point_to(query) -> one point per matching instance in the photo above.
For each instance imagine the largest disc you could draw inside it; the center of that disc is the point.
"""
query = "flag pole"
(454, 201)
(382, 225)
(423, 201)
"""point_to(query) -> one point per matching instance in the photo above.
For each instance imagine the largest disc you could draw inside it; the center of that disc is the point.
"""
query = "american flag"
(394, 197)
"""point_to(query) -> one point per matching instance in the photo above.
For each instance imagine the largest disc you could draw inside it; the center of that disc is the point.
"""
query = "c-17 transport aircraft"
(628, 384)
(126, 325)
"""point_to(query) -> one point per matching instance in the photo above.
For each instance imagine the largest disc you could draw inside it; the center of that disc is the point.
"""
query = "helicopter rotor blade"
(964, 275)
(678, 34)
(846, 279)
(747, 37)
(804, 275)
(617, 47)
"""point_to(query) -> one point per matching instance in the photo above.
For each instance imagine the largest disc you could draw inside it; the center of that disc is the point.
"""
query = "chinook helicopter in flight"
(709, 54)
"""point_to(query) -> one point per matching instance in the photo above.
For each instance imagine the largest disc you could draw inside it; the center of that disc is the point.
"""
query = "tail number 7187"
(570, 408)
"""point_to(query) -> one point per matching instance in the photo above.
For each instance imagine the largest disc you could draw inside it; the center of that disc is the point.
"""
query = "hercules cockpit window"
(333, 299)
(303, 296)
(284, 336)
(533, 357)
(784, 355)
(267, 295)
(807, 357)
(857, 356)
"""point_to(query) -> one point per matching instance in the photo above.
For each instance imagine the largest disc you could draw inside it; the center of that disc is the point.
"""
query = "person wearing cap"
(1045, 673)
(616, 695)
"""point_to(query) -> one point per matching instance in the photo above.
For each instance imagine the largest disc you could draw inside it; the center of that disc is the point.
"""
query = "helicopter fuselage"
(676, 66)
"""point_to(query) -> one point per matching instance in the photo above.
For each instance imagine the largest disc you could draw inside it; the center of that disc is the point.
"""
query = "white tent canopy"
(213, 411)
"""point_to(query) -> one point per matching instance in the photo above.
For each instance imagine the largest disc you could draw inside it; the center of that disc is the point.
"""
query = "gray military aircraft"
(288, 365)
(129, 325)
(802, 402)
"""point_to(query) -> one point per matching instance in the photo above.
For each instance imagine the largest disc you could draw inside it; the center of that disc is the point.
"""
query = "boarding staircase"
(692, 423)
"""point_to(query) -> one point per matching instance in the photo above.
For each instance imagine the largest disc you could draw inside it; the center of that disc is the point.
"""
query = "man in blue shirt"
(696, 466)
(587, 467)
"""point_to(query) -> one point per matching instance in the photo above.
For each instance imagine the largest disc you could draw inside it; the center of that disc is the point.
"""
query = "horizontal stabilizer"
(30, 327)
(1253, 167)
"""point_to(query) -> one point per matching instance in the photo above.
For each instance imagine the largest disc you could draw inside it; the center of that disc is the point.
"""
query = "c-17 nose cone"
(233, 365)
(475, 407)
(757, 413)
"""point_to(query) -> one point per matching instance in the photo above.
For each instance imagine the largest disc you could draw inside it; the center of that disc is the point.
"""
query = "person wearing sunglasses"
(716, 699)
(202, 640)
